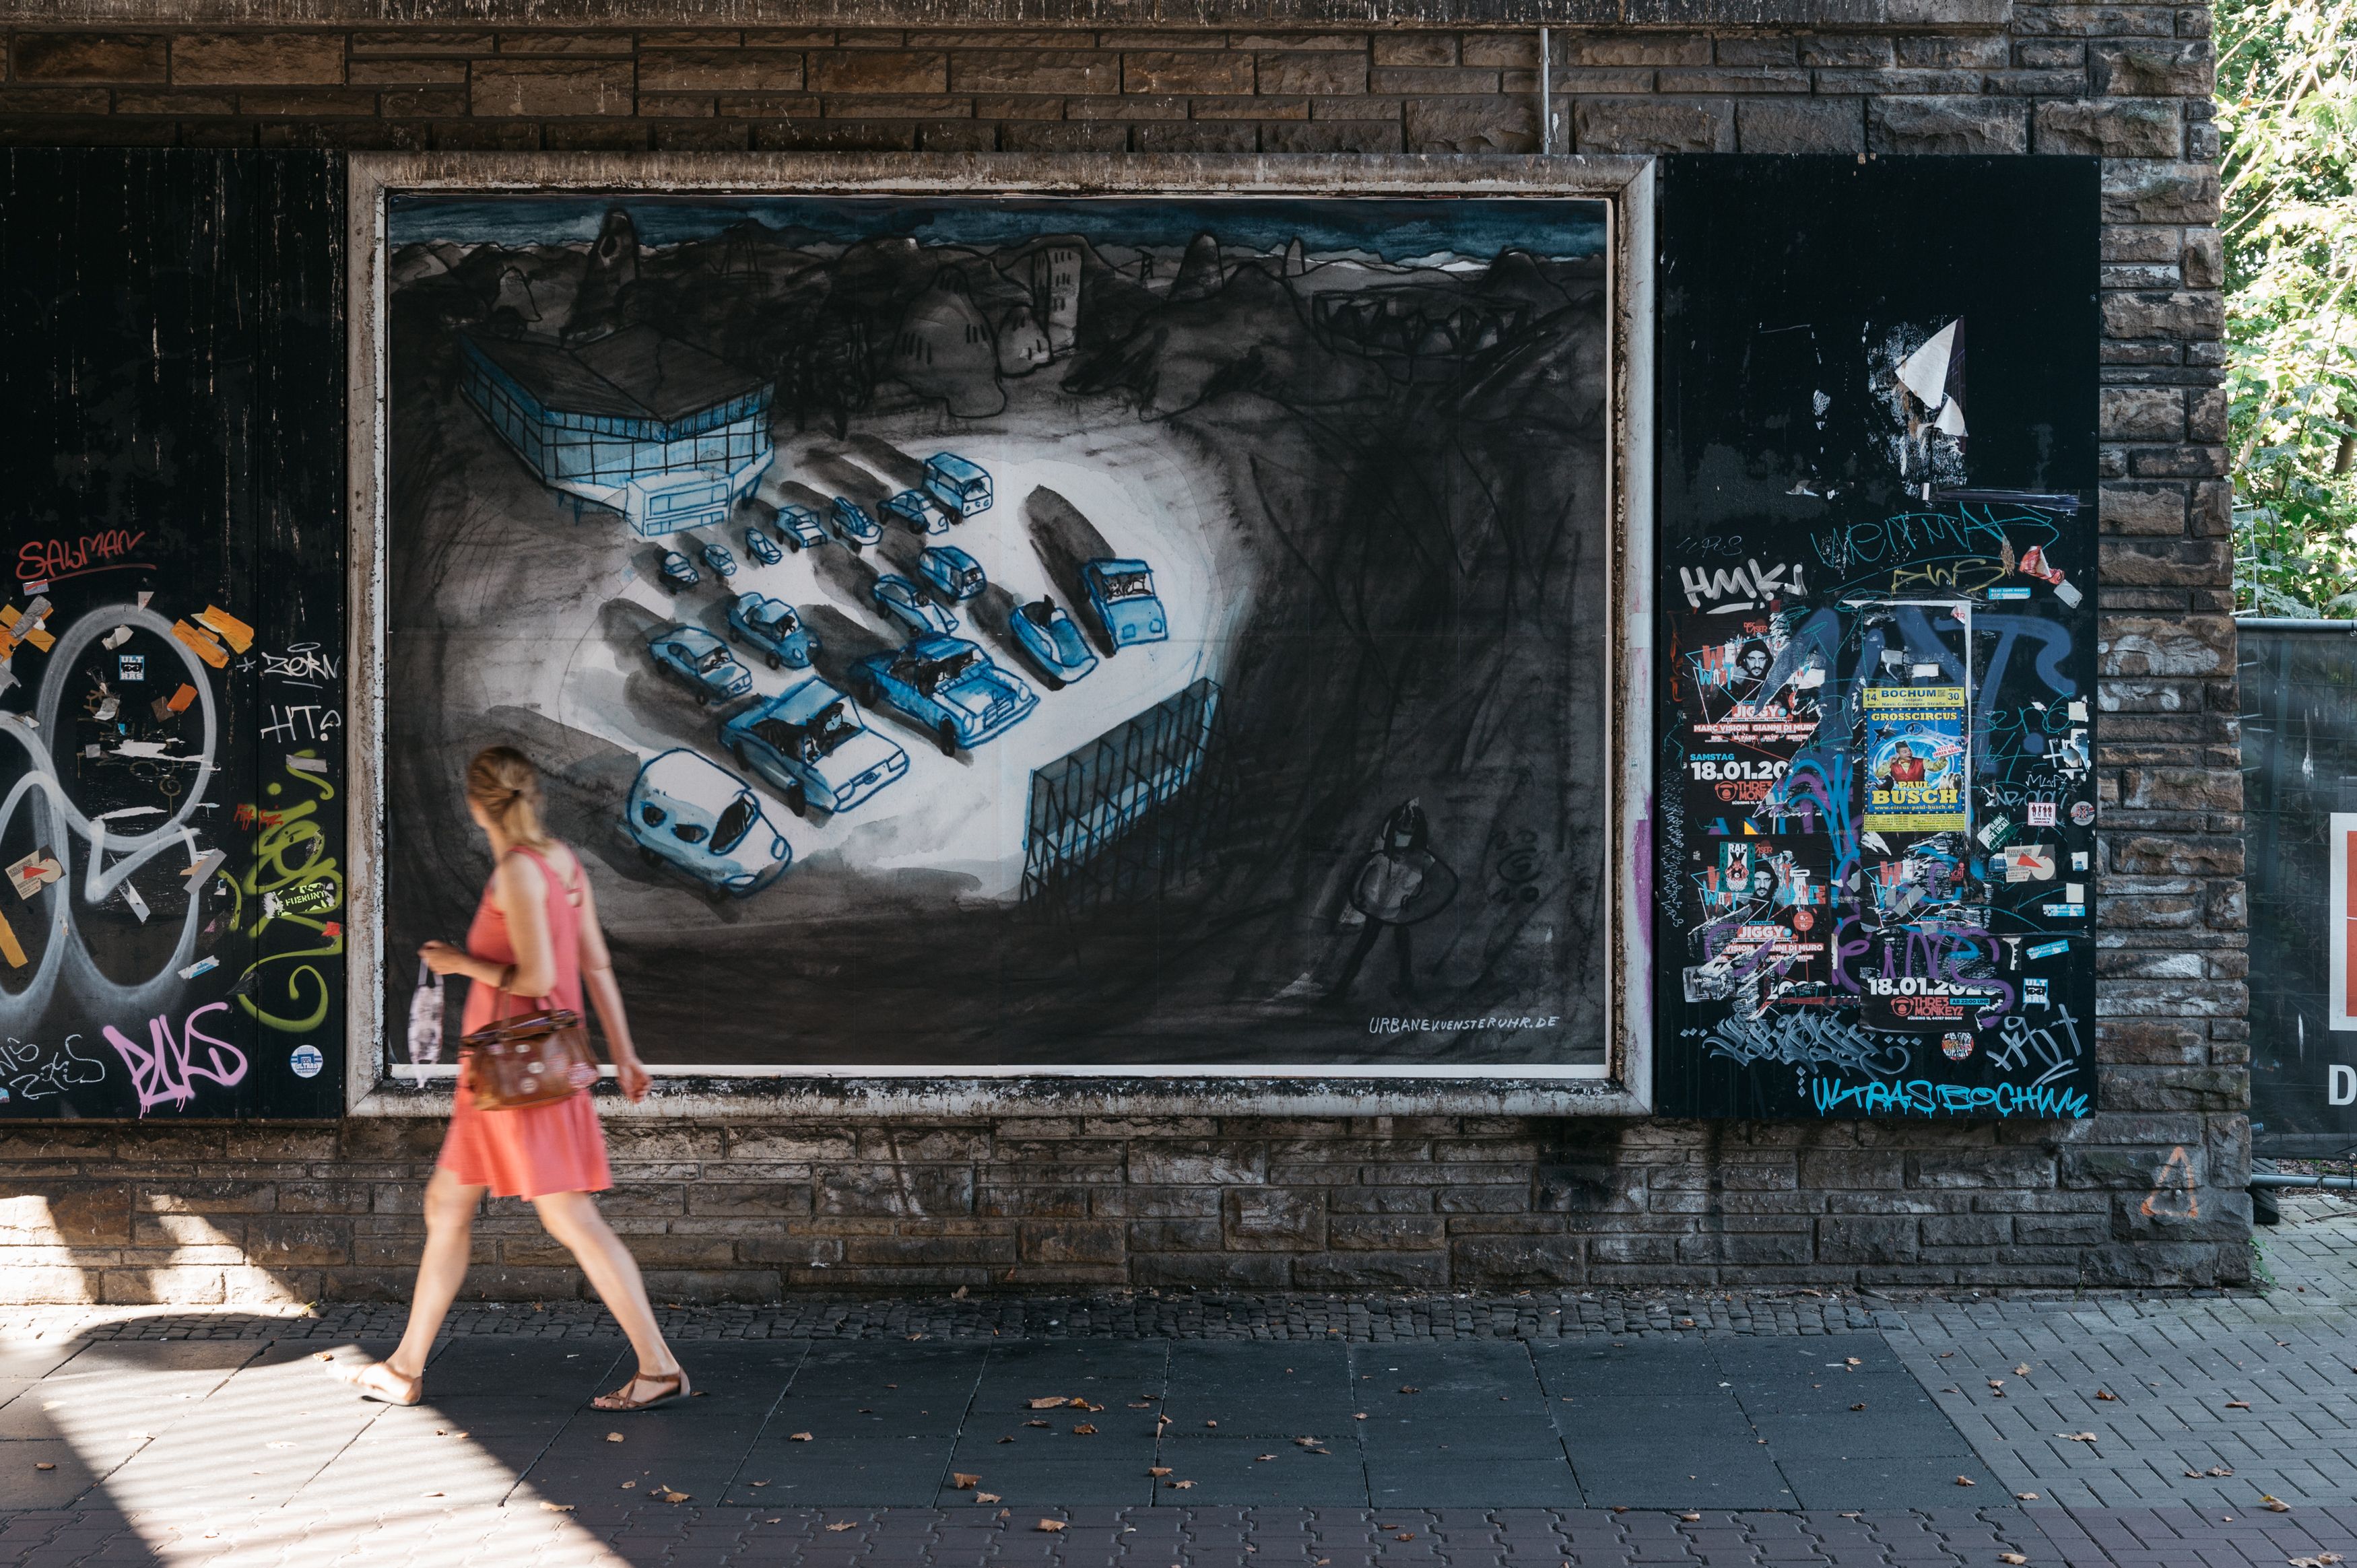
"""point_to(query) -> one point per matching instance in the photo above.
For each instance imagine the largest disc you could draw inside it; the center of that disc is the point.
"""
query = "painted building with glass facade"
(635, 422)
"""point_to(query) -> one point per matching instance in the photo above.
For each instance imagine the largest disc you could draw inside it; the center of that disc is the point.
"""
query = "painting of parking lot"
(1057, 634)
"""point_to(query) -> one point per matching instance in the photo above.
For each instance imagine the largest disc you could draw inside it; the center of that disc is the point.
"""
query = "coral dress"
(536, 1149)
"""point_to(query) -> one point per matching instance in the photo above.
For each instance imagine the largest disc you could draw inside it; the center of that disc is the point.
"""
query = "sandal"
(391, 1388)
(673, 1384)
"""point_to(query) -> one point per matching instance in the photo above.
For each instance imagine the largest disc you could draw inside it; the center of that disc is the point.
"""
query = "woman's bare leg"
(573, 1219)
(450, 1206)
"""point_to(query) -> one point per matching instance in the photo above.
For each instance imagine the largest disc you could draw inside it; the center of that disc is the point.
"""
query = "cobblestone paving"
(154, 1456)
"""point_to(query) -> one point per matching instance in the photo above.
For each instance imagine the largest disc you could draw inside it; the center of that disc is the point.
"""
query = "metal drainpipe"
(1546, 95)
(2330, 1183)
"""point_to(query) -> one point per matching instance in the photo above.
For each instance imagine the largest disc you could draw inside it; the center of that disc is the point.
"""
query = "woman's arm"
(522, 895)
(605, 996)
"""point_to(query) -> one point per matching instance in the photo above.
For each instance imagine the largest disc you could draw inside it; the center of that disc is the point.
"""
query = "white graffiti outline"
(57, 820)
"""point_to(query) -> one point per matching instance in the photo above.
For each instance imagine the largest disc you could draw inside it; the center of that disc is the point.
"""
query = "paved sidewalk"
(1775, 1431)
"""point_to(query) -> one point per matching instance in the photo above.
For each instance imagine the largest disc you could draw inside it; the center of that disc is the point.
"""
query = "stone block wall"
(2147, 1192)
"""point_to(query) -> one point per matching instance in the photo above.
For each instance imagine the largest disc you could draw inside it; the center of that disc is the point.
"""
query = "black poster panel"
(2299, 800)
(1874, 842)
(172, 635)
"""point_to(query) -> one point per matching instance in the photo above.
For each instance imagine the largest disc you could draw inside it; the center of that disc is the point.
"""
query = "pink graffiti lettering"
(162, 1072)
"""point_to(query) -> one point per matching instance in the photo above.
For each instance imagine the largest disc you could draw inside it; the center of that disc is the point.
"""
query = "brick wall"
(2147, 1192)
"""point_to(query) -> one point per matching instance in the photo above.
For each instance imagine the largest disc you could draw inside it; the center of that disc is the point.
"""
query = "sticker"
(2041, 813)
(13, 949)
(35, 872)
(2033, 993)
(2028, 863)
(41, 587)
(138, 905)
(2050, 950)
(2063, 911)
(202, 966)
(2008, 593)
(2077, 860)
(308, 764)
(178, 701)
(2068, 595)
(201, 645)
(2082, 812)
(231, 630)
(306, 1061)
(1956, 1046)
(131, 666)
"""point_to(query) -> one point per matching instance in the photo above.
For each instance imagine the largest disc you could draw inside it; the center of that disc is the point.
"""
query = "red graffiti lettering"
(162, 1072)
(48, 560)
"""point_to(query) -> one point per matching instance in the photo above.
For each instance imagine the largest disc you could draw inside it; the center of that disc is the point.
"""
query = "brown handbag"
(533, 1058)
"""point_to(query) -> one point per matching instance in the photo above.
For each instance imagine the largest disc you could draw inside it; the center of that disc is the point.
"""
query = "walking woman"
(535, 935)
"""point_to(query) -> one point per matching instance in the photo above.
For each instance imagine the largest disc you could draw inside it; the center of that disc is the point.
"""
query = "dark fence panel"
(2299, 763)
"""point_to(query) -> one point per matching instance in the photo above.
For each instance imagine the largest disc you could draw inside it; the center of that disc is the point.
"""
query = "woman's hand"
(444, 958)
(631, 1074)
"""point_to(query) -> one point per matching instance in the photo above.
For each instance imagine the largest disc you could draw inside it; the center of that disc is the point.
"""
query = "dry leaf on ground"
(667, 1495)
(798, 1438)
(1308, 1442)
(1410, 1389)
(1085, 1429)
(2218, 1470)
(1855, 1361)
(2077, 1437)
(839, 1526)
(613, 1437)
(551, 1507)
(1181, 1486)
(1049, 1525)
(1405, 1535)
(1691, 1518)
(1858, 1407)
(2026, 1496)
(1035, 1423)
(1966, 1481)
(1210, 1423)
(43, 1465)
(1159, 1471)
(1264, 1457)
(2022, 1370)
(1361, 1415)
(914, 1337)
(2013, 1557)
(1056, 1402)
(985, 1497)
(2238, 1404)
(2321, 1560)
(323, 1355)
(961, 1481)
(2276, 1505)
(1006, 1440)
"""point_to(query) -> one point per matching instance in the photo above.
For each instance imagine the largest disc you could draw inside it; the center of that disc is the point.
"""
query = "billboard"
(1135, 634)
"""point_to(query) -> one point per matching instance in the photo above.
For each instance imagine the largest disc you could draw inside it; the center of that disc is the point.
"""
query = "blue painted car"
(1053, 641)
(919, 512)
(677, 572)
(1122, 594)
(772, 626)
(800, 526)
(955, 575)
(700, 661)
(689, 813)
(716, 556)
(852, 522)
(814, 746)
(947, 686)
(905, 604)
(962, 487)
(762, 548)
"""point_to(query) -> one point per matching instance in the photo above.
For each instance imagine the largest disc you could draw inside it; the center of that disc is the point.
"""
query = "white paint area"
(966, 814)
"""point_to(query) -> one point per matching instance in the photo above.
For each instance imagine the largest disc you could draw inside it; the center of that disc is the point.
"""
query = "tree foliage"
(2287, 122)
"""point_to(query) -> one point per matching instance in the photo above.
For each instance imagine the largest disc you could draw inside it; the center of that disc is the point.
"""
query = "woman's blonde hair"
(503, 781)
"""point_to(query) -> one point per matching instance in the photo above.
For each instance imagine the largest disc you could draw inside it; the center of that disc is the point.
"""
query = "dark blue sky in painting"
(1396, 231)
